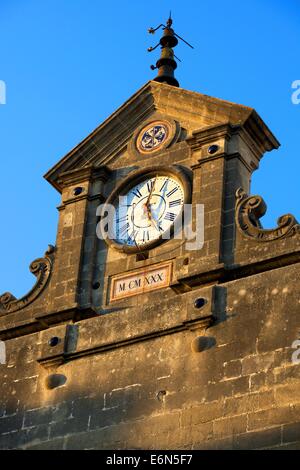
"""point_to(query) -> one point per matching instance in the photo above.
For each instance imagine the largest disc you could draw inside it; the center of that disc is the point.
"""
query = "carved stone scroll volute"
(41, 268)
(249, 209)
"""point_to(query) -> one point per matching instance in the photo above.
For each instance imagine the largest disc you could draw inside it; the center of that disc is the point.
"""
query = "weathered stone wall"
(242, 391)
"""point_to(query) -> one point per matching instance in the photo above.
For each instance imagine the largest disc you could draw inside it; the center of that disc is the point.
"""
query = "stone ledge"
(121, 329)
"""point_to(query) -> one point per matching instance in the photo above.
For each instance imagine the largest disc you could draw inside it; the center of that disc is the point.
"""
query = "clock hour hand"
(133, 207)
(154, 223)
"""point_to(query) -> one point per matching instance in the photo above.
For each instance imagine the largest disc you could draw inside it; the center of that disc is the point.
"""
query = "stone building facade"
(206, 359)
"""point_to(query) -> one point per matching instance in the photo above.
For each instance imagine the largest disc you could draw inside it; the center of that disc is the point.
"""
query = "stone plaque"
(138, 282)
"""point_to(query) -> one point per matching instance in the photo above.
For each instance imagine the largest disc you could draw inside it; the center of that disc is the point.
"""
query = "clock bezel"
(137, 177)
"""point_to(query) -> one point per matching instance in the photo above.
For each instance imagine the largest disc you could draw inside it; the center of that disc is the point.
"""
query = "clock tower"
(164, 316)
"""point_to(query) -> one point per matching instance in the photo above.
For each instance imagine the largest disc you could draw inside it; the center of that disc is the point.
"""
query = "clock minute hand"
(133, 227)
(154, 223)
(150, 195)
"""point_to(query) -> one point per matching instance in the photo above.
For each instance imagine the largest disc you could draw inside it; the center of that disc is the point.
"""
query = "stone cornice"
(258, 139)
(260, 133)
(113, 132)
(202, 322)
(120, 332)
(226, 156)
(79, 175)
(229, 273)
(205, 136)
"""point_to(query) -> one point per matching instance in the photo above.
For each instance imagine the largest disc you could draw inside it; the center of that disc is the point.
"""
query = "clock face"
(152, 137)
(148, 210)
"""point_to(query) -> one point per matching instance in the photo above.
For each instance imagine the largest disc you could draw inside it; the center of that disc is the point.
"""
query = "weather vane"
(166, 64)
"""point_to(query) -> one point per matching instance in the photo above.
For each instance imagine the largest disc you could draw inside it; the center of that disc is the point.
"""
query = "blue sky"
(68, 64)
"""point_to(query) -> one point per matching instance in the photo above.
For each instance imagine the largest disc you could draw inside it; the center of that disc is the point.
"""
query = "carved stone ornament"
(249, 209)
(153, 137)
(41, 268)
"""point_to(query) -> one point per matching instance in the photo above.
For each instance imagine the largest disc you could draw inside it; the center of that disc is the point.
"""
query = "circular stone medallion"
(152, 137)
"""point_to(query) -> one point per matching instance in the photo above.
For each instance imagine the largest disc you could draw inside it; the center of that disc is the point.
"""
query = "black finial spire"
(166, 64)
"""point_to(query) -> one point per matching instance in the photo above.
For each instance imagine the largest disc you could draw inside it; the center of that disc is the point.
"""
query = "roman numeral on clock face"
(170, 193)
(150, 185)
(124, 229)
(146, 236)
(164, 185)
(170, 216)
(137, 193)
(122, 219)
(132, 236)
(175, 203)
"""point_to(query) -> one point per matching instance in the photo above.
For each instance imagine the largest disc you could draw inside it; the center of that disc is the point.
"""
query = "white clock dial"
(148, 210)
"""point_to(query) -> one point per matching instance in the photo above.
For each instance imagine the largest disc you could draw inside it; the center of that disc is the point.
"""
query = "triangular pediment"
(192, 110)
